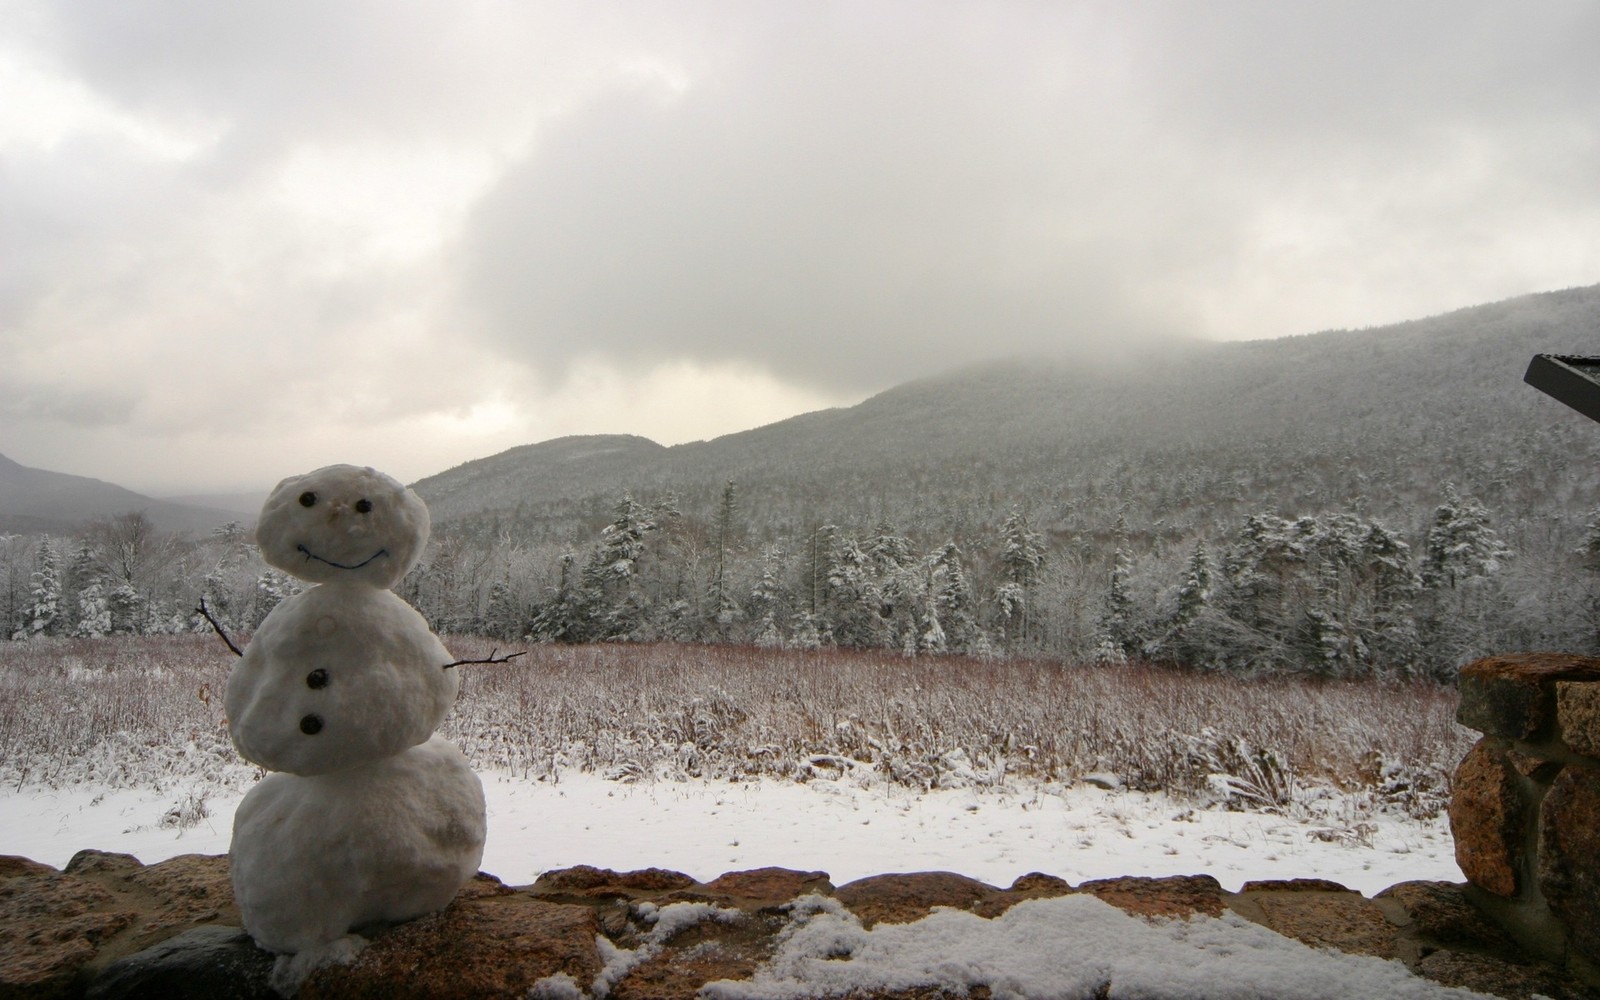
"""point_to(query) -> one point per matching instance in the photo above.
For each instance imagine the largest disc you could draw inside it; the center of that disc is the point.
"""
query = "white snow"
(706, 828)
(1037, 950)
(1069, 947)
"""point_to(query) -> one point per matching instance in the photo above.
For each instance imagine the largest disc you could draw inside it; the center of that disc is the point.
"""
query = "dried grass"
(147, 711)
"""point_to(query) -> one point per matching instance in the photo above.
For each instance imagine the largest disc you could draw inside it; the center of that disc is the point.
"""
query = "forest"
(1387, 503)
(1328, 594)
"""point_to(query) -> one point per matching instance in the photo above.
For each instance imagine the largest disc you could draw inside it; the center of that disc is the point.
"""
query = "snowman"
(368, 818)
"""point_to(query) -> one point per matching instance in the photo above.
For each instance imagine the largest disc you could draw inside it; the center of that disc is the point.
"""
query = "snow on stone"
(1068, 947)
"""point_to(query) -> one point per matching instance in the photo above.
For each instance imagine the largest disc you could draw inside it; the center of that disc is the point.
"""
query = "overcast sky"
(242, 240)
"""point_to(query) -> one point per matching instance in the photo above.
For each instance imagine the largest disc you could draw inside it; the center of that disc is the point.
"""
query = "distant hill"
(1186, 437)
(36, 501)
(245, 507)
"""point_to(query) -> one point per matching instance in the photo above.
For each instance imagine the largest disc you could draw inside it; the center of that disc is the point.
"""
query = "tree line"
(1334, 593)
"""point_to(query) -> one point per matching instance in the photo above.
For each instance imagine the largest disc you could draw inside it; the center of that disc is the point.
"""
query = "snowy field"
(707, 827)
(1047, 948)
(709, 761)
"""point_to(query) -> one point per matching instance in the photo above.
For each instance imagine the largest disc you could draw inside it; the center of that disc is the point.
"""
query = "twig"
(491, 658)
(217, 627)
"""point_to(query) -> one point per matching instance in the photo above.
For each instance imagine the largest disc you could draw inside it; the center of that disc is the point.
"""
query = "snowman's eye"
(363, 506)
(317, 679)
(308, 499)
(311, 725)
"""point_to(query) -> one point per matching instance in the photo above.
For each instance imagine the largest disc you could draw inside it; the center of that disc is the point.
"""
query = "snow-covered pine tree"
(127, 609)
(724, 609)
(953, 602)
(615, 564)
(769, 600)
(1195, 591)
(1460, 544)
(1116, 638)
(42, 615)
(94, 612)
(1021, 559)
(1464, 608)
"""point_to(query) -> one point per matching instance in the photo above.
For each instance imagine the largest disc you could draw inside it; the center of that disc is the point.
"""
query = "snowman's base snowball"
(290, 972)
(317, 857)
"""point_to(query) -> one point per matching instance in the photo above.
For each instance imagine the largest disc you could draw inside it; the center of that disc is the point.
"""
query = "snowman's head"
(343, 524)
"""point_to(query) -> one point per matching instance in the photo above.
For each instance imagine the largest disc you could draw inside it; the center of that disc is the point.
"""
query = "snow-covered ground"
(1048, 948)
(850, 831)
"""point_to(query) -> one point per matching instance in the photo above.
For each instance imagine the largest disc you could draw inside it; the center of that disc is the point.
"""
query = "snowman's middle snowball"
(338, 675)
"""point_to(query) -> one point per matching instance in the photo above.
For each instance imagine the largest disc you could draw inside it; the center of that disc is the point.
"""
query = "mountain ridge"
(1390, 406)
(39, 501)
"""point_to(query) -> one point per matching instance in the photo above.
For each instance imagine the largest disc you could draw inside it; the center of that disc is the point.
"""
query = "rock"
(766, 888)
(1485, 818)
(203, 963)
(52, 924)
(188, 890)
(1569, 855)
(62, 932)
(707, 951)
(1042, 885)
(1294, 885)
(1578, 714)
(1440, 914)
(1175, 896)
(901, 899)
(11, 866)
(92, 862)
(1499, 978)
(1323, 915)
(1513, 696)
(588, 882)
(490, 946)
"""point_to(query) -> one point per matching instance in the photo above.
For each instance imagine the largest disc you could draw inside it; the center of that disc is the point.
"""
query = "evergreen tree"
(127, 610)
(1195, 591)
(953, 605)
(1116, 616)
(566, 615)
(1460, 544)
(852, 605)
(94, 612)
(272, 588)
(1021, 559)
(1392, 639)
(614, 607)
(895, 593)
(769, 600)
(725, 609)
(1464, 607)
(502, 619)
(42, 614)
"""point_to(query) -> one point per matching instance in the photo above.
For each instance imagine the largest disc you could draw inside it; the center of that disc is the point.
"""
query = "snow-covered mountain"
(37, 500)
(1376, 418)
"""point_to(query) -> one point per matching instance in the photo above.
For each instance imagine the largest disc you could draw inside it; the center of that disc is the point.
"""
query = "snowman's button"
(311, 725)
(326, 625)
(308, 499)
(318, 678)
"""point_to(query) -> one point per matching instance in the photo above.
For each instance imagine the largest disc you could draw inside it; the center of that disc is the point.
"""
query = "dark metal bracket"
(1573, 380)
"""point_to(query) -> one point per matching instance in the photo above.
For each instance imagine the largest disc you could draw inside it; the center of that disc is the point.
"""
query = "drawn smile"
(312, 555)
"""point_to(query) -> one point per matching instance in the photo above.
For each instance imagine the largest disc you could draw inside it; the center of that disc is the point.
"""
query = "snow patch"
(667, 922)
(1069, 947)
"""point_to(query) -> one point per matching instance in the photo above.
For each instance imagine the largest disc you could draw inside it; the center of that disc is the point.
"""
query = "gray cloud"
(314, 223)
(865, 193)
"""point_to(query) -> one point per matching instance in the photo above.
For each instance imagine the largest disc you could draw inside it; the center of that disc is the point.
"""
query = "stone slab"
(1514, 696)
